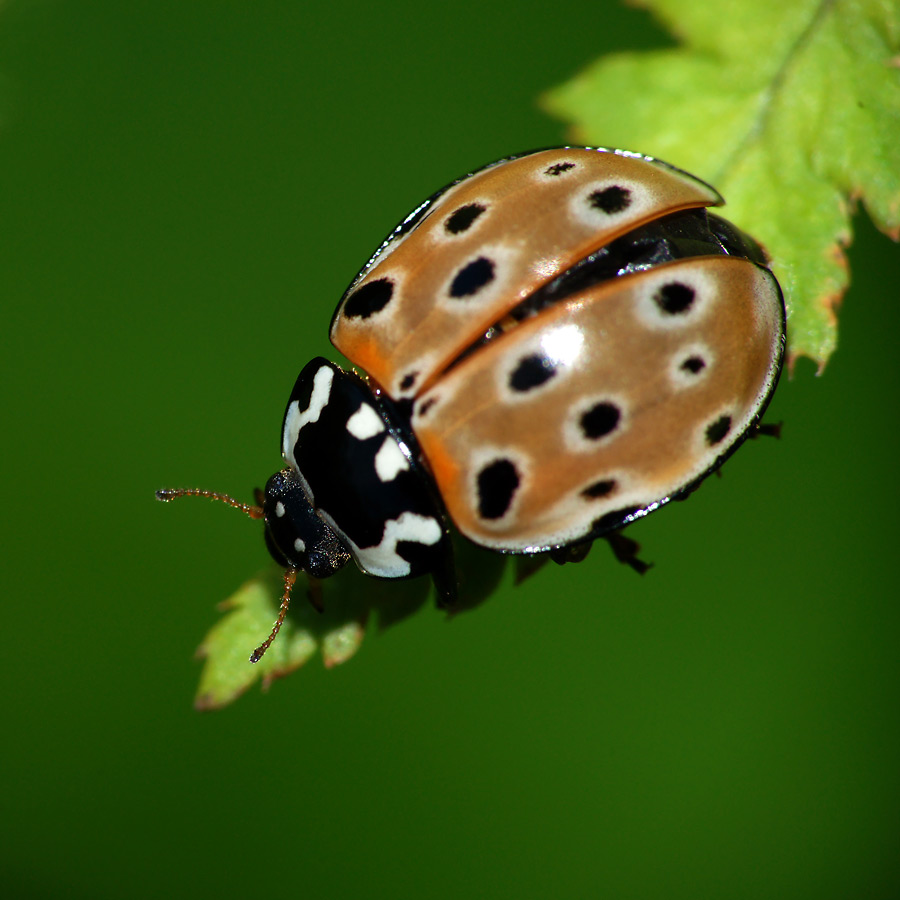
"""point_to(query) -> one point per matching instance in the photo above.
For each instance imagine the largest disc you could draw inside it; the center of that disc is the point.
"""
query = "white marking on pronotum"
(383, 559)
(279, 509)
(296, 419)
(390, 461)
(299, 545)
(365, 423)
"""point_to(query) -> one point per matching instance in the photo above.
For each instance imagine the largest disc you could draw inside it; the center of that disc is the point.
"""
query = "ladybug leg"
(572, 554)
(445, 587)
(446, 580)
(769, 429)
(626, 551)
(314, 593)
(526, 566)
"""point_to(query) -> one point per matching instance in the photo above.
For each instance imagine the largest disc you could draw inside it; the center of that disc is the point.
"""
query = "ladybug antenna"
(290, 576)
(255, 512)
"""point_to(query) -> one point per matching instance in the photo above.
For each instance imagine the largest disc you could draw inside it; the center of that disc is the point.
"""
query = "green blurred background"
(187, 188)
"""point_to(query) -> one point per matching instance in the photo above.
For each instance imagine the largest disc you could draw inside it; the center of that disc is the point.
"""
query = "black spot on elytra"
(463, 218)
(613, 199)
(472, 277)
(497, 483)
(408, 380)
(600, 420)
(369, 299)
(559, 168)
(693, 364)
(674, 298)
(531, 372)
(424, 407)
(716, 432)
(599, 489)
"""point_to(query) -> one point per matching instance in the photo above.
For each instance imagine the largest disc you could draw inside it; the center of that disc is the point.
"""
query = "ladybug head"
(296, 536)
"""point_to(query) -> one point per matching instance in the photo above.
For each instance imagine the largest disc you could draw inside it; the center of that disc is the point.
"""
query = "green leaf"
(791, 108)
(349, 599)
(249, 615)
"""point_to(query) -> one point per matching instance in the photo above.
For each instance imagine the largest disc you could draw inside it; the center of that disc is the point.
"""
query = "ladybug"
(549, 348)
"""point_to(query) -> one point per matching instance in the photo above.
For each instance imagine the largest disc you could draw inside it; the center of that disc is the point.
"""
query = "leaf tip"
(820, 362)
(206, 703)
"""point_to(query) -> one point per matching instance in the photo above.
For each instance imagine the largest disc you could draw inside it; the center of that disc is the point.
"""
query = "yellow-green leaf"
(249, 615)
(348, 600)
(791, 109)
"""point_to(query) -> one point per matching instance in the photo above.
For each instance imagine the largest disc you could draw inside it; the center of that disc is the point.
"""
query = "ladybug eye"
(613, 199)
(462, 219)
(369, 299)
